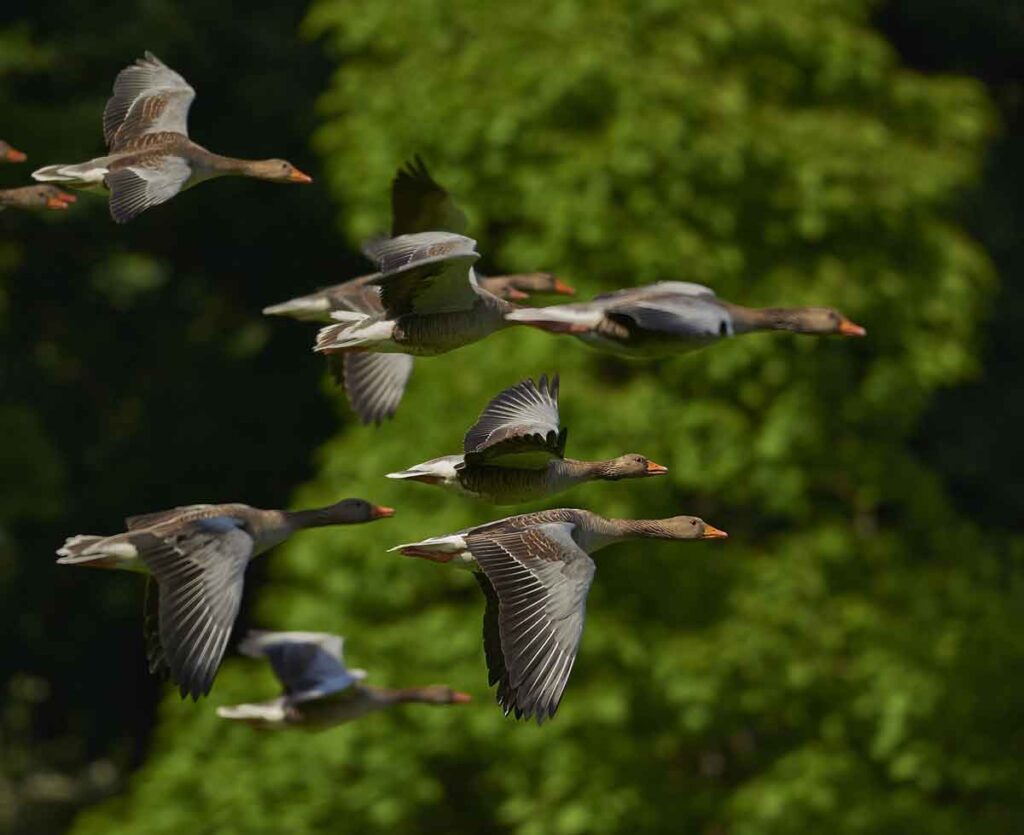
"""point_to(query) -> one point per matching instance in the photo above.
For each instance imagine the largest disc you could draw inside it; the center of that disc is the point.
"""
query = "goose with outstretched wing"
(535, 571)
(150, 157)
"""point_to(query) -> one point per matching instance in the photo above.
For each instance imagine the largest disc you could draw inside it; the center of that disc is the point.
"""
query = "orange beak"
(514, 295)
(848, 328)
(15, 156)
(711, 532)
(298, 177)
(655, 469)
(55, 203)
(381, 512)
(563, 288)
(460, 698)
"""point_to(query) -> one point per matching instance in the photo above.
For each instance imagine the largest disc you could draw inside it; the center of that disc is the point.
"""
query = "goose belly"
(438, 333)
(504, 485)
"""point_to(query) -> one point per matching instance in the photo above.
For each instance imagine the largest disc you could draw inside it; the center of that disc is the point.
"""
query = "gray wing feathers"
(425, 272)
(521, 419)
(406, 251)
(139, 187)
(689, 316)
(148, 97)
(308, 664)
(541, 579)
(200, 574)
(375, 383)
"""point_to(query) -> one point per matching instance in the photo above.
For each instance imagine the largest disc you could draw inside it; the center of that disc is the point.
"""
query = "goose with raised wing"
(515, 452)
(35, 198)
(11, 154)
(535, 571)
(375, 382)
(319, 690)
(150, 156)
(673, 317)
(431, 304)
(196, 557)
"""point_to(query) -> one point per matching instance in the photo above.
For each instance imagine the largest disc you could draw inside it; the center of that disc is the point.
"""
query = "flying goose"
(515, 452)
(9, 154)
(535, 572)
(319, 690)
(197, 556)
(151, 158)
(35, 197)
(358, 293)
(672, 317)
(375, 382)
(431, 304)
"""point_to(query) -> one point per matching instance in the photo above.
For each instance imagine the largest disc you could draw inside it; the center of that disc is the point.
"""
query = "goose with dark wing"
(319, 690)
(375, 382)
(515, 452)
(673, 317)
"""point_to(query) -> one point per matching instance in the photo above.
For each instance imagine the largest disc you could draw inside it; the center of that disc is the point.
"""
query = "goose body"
(197, 555)
(377, 333)
(673, 317)
(319, 690)
(359, 293)
(430, 303)
(535, 571)
(150, 156)
(515, 452)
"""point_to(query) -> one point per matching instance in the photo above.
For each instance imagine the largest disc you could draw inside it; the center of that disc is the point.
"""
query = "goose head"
(276, 171)
(825, 320)
(632, 466)
(689, 527)
(355, 511)
(9, 154)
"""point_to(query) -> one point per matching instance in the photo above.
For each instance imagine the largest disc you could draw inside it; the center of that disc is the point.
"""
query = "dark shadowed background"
(849, 661)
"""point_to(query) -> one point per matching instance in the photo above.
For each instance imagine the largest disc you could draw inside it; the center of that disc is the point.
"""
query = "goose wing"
(518, 428)
(200, 572)
(149, 97)
(148, 181)
(539, 579)
(684, 316)
(420, 204)
(375, 383)
(309, 665)
(425, 272)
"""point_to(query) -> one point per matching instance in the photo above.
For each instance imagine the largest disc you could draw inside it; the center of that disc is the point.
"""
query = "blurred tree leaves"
(846, 659)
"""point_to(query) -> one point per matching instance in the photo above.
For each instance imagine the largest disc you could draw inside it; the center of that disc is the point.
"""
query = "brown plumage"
(197, 556)
(375, 378)
(151, 158)
(535, 572)
(515, 452)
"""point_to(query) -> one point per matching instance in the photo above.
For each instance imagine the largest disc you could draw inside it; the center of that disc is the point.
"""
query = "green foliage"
(846, 661)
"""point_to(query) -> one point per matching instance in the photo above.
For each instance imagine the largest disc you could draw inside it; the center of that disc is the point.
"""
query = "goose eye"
(693, 522)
